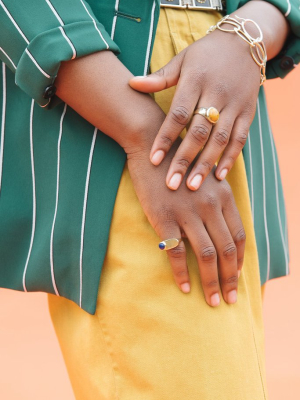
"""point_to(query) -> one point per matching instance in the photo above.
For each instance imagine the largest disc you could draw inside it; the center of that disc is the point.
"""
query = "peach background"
(31, 365)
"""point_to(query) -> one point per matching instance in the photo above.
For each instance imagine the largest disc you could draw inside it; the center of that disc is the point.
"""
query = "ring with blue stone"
(169, 244)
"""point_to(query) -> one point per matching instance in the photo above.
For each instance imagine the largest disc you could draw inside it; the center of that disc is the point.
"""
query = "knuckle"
(229, 251)
(212, 283)
(207, 166)
(180, 115)
(183, 162)
(177, 252)
(209, 201)
(221, 137)
(166, 140)
(180, 273)
(233, 279)
(160, 72)
(200, 133)
(166, 215)
(208, 254)
(240, 237)
(221, 89)
(241, 138)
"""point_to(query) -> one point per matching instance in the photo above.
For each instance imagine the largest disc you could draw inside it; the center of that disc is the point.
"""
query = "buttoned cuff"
(289, 57)
(40, 62)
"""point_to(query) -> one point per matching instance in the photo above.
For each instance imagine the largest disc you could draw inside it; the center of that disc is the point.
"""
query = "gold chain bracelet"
(257, 47)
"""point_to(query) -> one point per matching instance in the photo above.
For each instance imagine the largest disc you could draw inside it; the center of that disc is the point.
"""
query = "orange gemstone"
(213, 114)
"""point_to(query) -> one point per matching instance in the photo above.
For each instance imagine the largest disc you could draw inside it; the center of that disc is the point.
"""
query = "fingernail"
(175, 181)
(239, 273)
(215, 300)
(196, 181)
(185, 287)
(157, 157)
(223, 173)
(232, 297)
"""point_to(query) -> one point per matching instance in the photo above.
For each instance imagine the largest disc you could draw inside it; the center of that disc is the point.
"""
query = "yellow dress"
(148, 340)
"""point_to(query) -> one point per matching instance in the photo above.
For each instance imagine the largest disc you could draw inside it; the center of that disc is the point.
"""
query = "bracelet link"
(257, 47)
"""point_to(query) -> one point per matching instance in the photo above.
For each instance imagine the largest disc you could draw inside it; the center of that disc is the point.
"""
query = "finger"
(177, 257)
(179, 115)
(213, 149)
(236, 143)
(227, 256)
(235, 225)
(207, 262)
(164, 78)
(196, 137)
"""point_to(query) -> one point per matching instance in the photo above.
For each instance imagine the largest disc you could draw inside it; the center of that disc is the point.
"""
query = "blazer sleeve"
(289, 56)
(37, 35)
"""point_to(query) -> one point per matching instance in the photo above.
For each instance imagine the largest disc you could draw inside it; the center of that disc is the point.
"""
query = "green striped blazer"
(59, 175)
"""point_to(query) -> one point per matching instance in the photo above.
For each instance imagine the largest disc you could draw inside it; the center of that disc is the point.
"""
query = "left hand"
(217, 71)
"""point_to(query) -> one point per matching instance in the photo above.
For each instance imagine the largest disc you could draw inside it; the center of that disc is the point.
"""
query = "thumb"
(164, 78)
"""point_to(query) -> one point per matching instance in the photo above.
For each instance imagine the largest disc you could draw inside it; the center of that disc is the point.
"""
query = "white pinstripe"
(251, 176)
(277, 198)
(69, 42)
(14, 22)
(150, 39)
(84, 210)
(9, 59)
(56, 200)
(33, 196)
(264, 190)
(3, 121)
(289, 8)
(96, 27)
(55, 12)
(25, 38)
(113, 28)
(37, 65)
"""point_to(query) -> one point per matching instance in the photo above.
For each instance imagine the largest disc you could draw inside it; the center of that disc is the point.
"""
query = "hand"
(217, 71)
(208, 218)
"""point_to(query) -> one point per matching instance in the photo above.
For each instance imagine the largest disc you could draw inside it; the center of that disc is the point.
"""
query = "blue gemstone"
(161, 245)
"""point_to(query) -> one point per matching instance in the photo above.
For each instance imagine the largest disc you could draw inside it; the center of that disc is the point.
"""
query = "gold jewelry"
(169, 244)
(211, 114)
(257, 47)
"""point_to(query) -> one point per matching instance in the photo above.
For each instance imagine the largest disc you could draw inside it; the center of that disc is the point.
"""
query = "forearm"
(272, 22)
(97, 88)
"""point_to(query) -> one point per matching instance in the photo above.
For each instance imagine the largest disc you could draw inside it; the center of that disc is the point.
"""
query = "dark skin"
(208, 217)
(229, 82)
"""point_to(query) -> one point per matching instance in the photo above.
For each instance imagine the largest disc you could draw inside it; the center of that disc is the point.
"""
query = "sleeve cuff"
(40, 62)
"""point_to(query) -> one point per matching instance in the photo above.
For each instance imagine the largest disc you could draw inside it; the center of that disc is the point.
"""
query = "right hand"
(208, 218)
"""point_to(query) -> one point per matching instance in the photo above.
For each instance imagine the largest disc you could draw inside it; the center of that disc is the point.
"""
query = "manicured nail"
(196, 181)
(175, 181)
(215, 300)
(223, 173)
(157, 157)
(185, 287)
(232, 297)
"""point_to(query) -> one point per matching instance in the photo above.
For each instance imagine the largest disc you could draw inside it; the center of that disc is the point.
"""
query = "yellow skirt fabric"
(148, 340)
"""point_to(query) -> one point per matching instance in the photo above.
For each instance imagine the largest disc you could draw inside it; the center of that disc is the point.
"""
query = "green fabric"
(55, 215)
(290, 8)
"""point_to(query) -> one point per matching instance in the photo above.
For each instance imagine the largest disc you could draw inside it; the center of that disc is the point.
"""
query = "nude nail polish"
(175, 181)
(232, 297)
(157, 157)
(223, 173)
(185, 287)
(196, 181)
(215, 300)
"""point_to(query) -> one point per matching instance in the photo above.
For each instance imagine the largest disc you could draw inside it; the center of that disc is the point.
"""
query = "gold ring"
(169, 244)
(211, 114)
